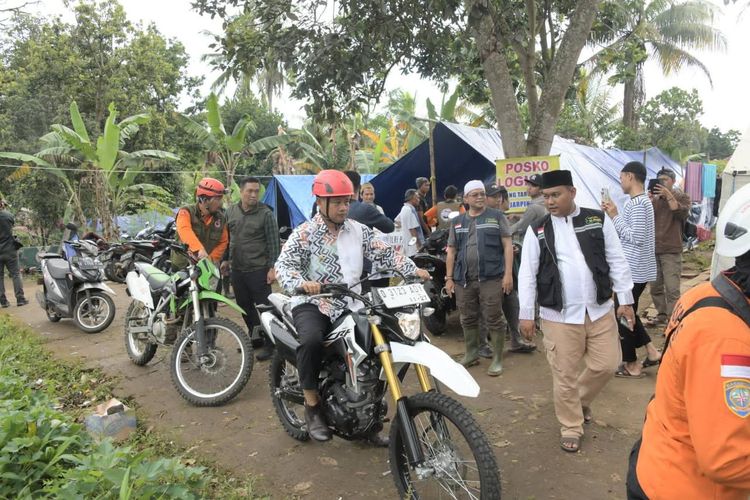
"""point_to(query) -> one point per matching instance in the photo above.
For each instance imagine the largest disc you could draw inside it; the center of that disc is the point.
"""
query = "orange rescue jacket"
(696, 438)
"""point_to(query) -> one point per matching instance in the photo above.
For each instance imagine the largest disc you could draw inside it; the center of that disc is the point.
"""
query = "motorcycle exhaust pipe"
(408, 434)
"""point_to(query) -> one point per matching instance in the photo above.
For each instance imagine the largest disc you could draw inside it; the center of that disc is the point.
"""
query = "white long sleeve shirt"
(579, 289)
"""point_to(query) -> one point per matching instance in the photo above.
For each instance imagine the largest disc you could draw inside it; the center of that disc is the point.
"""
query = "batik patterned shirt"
(314, 253)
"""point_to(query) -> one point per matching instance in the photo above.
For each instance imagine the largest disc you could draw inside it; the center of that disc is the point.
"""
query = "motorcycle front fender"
(442, 367)
(139, 289)
(208, 295)
(95, 286)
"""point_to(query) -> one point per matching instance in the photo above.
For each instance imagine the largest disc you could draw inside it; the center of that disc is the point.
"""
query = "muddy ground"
(515, 411)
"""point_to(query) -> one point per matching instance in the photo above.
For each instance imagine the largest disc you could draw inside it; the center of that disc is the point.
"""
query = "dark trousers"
(638, 337)
(311, 325)
(250, 288)
(9, 261)
(634, 490)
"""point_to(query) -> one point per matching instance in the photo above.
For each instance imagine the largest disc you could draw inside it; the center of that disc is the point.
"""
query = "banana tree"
(111, 169)
(225, 150)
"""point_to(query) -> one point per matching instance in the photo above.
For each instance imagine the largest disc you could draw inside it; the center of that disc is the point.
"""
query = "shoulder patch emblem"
(737, 397)
(594, 219)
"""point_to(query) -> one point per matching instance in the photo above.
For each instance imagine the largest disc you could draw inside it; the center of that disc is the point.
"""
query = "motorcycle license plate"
(402, 296)
(86, 263)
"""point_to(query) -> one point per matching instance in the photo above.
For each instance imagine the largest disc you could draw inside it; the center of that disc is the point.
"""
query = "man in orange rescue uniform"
(696, 438)
(202, 227)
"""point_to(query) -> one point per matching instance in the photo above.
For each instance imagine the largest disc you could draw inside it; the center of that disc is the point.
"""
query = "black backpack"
(730, 298)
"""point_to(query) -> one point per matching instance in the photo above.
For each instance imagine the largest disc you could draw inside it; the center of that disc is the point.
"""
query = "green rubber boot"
(471, 344)
(496, 367)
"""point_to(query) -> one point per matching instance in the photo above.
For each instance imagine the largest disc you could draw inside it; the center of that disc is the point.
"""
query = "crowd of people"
(575, 273)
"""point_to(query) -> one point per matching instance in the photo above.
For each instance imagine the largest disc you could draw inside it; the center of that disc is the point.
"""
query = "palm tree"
(589, 116)
(634, 30)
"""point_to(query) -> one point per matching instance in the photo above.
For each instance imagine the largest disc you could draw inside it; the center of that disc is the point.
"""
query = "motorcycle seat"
(49, 256)
(58, 268)
(157, 279)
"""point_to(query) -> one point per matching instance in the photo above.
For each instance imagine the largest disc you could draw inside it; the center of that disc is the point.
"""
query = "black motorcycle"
(432, 259)
(120, 258)
(436, 447)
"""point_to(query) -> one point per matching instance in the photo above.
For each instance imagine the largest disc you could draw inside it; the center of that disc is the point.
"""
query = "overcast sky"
(726, 105)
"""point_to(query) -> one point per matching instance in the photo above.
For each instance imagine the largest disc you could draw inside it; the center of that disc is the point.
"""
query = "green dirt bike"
(212, 357)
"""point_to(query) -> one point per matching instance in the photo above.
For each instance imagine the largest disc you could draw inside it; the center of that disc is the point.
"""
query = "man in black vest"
(479, 264)
(572, 263)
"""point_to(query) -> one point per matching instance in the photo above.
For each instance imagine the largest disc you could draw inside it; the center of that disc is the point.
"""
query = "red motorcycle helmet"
(210, 187)
(332, 183)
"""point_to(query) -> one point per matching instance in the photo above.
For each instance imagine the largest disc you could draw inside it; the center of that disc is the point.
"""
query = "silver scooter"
(73, 287)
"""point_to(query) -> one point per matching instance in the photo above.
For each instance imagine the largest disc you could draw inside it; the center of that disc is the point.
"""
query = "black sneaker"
(4, 303)
(21, 302)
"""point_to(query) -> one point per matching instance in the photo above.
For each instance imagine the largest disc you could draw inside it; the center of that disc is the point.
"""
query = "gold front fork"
(390, 375)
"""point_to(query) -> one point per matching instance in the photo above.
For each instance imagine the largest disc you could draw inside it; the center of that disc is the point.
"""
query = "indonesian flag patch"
(735, 366)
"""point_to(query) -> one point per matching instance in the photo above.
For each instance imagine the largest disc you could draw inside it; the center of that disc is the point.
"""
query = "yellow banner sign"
(512, 173)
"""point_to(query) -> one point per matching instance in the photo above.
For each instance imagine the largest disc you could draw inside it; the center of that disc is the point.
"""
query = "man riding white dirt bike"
(338, 351)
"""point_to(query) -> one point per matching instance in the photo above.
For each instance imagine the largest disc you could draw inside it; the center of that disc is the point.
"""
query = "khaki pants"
(598, 345)
(665, 291)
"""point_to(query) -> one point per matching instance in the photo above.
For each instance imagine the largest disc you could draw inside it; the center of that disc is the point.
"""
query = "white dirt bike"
(436, 449)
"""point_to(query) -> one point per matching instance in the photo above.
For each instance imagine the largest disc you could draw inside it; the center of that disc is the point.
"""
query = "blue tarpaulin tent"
(464, 153)
(291, 198)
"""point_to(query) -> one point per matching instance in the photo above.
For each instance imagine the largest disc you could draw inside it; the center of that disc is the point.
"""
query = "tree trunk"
(628, 104)
(103, 201)
(542, 129)
(499, 80)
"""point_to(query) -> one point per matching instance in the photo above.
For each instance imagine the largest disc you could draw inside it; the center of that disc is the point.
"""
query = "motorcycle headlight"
(409, 324)
(209, 275)
(213, 282)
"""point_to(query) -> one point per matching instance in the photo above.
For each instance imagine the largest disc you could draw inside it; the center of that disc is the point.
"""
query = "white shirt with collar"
(578, 287)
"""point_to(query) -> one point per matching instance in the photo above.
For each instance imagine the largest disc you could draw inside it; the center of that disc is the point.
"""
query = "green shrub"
(45, 454)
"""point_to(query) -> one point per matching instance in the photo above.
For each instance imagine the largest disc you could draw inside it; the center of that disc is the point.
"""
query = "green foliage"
(632, 31)
(44, 453)
(671, 121)
(45, 197)
(721, 145)
(96, 59)
(227, 151)
(588, 117)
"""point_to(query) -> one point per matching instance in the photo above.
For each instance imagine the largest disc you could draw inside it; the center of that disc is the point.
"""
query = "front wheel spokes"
(458, 460)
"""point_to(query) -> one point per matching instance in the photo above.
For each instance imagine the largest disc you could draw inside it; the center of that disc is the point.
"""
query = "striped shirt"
(635, 227)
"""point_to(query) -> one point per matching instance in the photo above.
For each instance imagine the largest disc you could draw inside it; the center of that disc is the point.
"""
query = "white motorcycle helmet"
(733, 227)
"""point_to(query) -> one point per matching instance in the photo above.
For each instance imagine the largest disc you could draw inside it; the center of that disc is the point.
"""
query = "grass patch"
(46, 452)
(699, 258)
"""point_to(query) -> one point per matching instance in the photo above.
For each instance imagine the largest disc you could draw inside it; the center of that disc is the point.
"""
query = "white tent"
(737, 172)
(735, 175)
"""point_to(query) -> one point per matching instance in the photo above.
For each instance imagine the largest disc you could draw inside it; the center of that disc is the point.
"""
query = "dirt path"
(515, 410)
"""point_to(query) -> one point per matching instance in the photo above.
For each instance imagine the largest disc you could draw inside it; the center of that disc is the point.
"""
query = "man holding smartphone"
(635, 227)
(671, 209)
